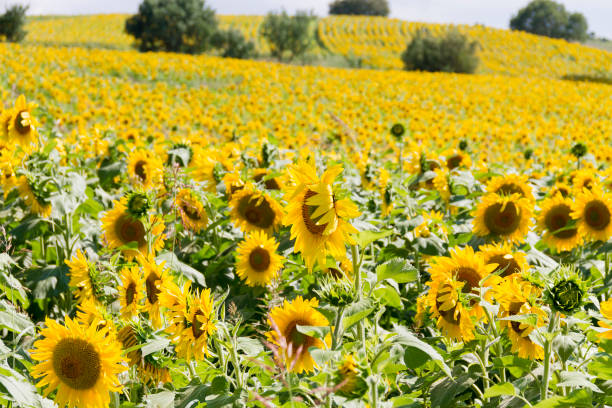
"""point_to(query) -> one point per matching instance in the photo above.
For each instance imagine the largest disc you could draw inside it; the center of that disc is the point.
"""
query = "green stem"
(374, 393)
(418, 270)
(500, 347)
(547, 355)
(358, 289)
(236, 363)
(335, 340)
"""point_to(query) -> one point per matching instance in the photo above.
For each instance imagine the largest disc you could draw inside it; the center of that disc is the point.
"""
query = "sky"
(495, 13)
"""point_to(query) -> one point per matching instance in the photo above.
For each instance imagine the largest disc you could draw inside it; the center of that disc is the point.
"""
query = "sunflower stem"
(335, 340)
(358, 290)
(500, 347)
(547, 355)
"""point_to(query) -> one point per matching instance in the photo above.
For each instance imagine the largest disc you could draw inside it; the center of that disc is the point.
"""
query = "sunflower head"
(21, 124)
(80, 361)
(504, 218)
(253, 210)
(180, 154)
(398, 130)
(257, 262)
(191, 209)
(593, 210)
(349, 377)
(138, 204)
(337, 292)
(567, 292)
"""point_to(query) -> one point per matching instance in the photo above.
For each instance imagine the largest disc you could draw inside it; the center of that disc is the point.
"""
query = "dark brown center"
(152, 290)
(76, 363)
(139, 169)
(259, 259)
(307, 211)
(597, 215)
(557, 218)
(502, 222)
(129, 230)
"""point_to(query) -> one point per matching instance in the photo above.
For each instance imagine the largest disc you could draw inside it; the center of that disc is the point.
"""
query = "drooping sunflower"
(511, 184)
(317, 217)
(192, 334)
(605, 308)
(191, 210)
(593, 211)
(150, 370)
(294, 345)
(131, 292)
(270, 183)
(22, 124)
(155, 277)
(253, 210)
(503, 217)
(257, 262)
(516, 297)
(508, 261)
(80, 362)
(33, 198)
(144, 169)
(352, 385)
(555, 222)
(121, 228)
(82, 277)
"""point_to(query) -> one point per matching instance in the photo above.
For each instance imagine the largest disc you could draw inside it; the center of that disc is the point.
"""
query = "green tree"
(452, 52)
(289, 36)
(172, 25)
(360, 7)
(233, 44)
(550, 19)
(12, 22)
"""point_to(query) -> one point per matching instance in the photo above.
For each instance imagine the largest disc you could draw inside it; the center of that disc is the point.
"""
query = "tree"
(233, 44)
(360, 7)
(288, 34)
(172, 25)
(451, 53)
(550, 19)
(12, 22)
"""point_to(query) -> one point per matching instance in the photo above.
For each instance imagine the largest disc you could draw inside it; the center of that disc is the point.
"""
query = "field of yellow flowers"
(182, 231)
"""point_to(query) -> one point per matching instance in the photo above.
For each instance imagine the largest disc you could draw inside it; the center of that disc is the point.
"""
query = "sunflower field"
(192, 231)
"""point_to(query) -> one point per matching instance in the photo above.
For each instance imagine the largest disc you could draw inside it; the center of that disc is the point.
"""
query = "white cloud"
(496, 13)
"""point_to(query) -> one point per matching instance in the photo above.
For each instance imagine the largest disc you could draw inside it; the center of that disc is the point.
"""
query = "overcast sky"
(496, 13)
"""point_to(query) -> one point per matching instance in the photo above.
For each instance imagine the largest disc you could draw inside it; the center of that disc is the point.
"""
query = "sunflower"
(511, 184)
(385, 191)
(131, 293)
(197, 325)
(583, 179)
(233, 183)
(155, 277)
(508, 261)
(121, 229)
(349, 379)
(433, 221)
(82, 277)
(593, 211)
(294, 345)
(33, 198)
(516, 297)
(555, 222)
(457, 158)
(560, 188)
(605, 308)
(21, 124)
(257, 262)
(8, 178)
(317, 217)
(270, 183)
(204, 163)
(191, 209)
(503, 217)
(253, 210)
(80, 362)
(144, 169)
(150, 370)
(91, 312)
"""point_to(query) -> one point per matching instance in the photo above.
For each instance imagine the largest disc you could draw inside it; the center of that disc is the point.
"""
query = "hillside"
(369, 41)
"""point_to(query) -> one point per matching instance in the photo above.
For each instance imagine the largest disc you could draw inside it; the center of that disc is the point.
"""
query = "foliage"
(172, 25)
(232, 44)
(289, 36)
(360, 7)
(550, 19)
(12, 23)
(452, 52)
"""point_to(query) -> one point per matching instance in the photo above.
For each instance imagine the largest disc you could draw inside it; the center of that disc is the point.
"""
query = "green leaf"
(250, 347)
(601, 367)
(388, 296)
(163, 399)
(153, 345)
(415, 357)
(365, 238)
(500, 389)
(19, 388)
(12, 320)
(576, 399)
(406, 338)
(576, 379)
(318, 332)
(566, 344)
(173, 263)
(321, 357)
(357, 311)
(444, 391)
(400, 270)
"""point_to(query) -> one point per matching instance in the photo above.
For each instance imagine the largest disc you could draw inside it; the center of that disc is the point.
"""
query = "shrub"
(360, 7)
(172, 25)
(288, 34)
(550, 19)
(233, 44)
(451, 53)
(12, 22)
